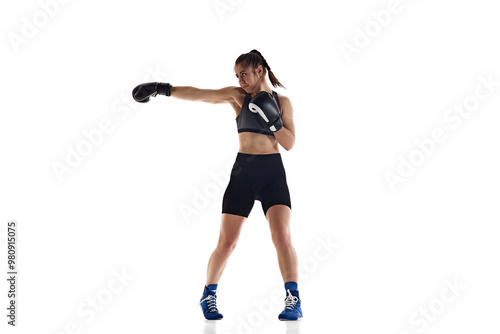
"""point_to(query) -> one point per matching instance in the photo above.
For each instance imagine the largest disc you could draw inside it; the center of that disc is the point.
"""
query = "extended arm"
(143, 92)
(223, 95)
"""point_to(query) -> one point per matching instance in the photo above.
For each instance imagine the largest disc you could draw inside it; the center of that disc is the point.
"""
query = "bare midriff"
(256, 143)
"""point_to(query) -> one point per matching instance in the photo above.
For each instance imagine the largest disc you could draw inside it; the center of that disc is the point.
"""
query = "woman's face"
(248, 78)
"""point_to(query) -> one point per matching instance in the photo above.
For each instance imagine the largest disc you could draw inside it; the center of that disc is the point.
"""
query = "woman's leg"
(279, 223)
(229, 232)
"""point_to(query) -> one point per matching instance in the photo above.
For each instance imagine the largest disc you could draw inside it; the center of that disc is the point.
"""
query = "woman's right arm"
(223, 95)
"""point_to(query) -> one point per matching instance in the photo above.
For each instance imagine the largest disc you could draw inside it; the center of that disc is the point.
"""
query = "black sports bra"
(248, 121)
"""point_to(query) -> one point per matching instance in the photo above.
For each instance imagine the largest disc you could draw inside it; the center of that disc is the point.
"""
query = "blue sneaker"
(208, 304)
(292, 309)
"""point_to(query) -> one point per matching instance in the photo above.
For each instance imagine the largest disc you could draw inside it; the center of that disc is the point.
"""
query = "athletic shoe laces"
(211, 303)
(290, 301)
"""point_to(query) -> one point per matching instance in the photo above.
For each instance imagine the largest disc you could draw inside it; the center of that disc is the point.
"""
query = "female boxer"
(264, 119)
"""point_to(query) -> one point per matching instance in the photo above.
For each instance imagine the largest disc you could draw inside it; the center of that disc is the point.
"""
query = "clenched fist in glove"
(142, 92)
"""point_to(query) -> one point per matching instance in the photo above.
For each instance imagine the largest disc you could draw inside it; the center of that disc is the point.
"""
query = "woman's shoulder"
(237, 93)
(236, 90)
(281, 96)
(232, 91)
(284, 100)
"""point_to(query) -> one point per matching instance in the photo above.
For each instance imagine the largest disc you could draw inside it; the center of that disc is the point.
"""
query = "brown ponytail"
(254, 58)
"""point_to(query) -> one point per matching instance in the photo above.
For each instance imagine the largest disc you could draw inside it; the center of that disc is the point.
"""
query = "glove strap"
(163, 88)
(275, 126)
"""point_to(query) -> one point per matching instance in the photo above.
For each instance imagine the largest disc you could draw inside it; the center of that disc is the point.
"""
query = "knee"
(282, 240)
(226, 247)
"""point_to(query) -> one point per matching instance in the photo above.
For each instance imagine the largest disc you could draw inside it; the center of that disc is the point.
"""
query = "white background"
(119, 209)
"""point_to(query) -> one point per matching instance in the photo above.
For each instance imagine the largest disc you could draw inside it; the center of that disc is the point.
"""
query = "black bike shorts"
(256, 177)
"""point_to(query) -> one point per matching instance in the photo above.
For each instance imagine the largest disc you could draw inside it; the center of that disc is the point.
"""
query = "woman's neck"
(263, 87)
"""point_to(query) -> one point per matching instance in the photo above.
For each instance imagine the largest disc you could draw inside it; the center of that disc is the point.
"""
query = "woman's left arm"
(286, 135)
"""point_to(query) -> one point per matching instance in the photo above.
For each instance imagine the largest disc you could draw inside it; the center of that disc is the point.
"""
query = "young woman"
(263, 120)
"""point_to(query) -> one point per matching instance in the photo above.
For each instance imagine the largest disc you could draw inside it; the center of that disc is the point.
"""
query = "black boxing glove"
(142, 92)
(265, 105)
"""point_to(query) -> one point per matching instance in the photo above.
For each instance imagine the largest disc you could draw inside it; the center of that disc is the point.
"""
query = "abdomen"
(256, 143)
